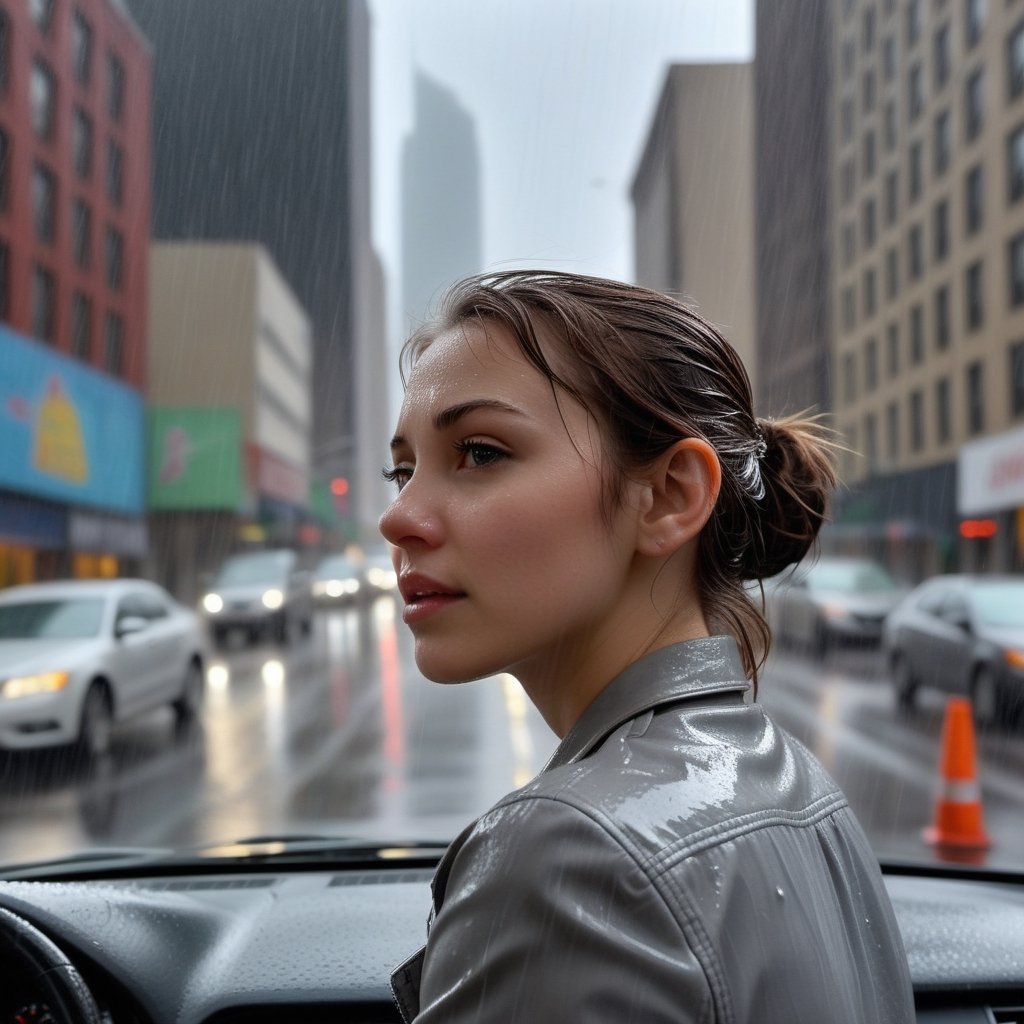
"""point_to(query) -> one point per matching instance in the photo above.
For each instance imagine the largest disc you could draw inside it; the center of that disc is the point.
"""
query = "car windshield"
(1000, 604)
(57, 619)
(852, 579)
(220, 221)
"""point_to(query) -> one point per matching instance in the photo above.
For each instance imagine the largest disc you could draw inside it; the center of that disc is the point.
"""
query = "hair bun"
(798, 477)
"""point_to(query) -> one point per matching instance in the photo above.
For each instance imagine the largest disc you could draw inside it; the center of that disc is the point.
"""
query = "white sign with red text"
(990, 474)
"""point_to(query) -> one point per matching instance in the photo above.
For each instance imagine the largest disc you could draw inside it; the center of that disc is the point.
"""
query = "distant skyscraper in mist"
(441, 206)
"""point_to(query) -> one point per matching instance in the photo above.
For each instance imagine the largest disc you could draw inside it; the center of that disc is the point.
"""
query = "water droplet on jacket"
(778, 892)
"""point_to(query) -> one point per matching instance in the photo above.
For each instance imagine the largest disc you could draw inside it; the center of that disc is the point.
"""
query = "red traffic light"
(974, 529)
(339, 487)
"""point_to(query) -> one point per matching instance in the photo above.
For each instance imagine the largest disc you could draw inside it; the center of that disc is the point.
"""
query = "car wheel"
(987, 700)
(821, 641)
(190, 703)
(904, 683)
(97, 725)
(280, 629)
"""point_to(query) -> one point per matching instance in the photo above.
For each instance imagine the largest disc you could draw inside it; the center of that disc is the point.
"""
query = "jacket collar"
(695, 669)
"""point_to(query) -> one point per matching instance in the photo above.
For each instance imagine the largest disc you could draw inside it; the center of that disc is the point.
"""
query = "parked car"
(379, 573)
(78, 656)
(961, 634)
(830, 602)
(336, 580)
(257, 592)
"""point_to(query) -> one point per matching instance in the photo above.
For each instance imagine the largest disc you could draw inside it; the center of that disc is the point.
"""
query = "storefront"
(71, 467)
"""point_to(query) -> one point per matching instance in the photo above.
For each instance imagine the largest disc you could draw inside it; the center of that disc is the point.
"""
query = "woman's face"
(506, 562)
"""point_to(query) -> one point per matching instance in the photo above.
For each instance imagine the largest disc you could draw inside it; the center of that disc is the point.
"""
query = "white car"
(78, 656)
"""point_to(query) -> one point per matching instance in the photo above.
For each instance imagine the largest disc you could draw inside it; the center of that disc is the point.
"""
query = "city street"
(338, 734)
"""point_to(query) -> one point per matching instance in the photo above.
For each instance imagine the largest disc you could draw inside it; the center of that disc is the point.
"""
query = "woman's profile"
(583, 496)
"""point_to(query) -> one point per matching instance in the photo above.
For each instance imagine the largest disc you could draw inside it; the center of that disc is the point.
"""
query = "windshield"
(1000, 604)
(69, 619)
(219, 223)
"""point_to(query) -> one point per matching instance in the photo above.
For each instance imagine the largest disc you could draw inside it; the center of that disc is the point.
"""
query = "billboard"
(68, 432)
(195, 459)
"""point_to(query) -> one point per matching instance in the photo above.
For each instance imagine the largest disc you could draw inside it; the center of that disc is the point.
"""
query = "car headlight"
(1014, 658)
(273, 598)
(834, 611)
(26, 686)
(385, 579)
(213, 603)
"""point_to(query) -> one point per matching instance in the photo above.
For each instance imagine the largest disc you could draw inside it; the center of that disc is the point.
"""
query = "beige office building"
(693, 198)
(927, 279)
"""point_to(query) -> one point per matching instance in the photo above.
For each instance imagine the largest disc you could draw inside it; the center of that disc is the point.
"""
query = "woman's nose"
(409, 519)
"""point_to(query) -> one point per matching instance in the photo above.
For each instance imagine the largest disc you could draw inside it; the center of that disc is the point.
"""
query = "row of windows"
(942, 412)
(82, 59)
(82, 156)
(974, 12)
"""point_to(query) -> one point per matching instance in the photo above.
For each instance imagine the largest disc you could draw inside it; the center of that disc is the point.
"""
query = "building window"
(115, 87)
(913, 22)
(916, 421)
(892, 197)
(893, 429)
(41, 12)
(915, 253)
(915, 93)
(1015, 163)
(974, 199)
(892, 128)
(974, 105)
(81, 326)
(42, 96)
(850, 376)
(43, 203)
(943, 142)
(871, 442)
(114, 249)
(974, 289)
(940, 56)
(5, 56)
(5, 170)
(942, 331)
(940, 230)
(892, 273)
(81, 143)
(892, 343)
(1017, 270)
(869, 155)
(1015, 62)
(849, 244)
(43, 289)
(81, 233)
(848, 58)
(115, 172)
(81, 47)
(889, 58)
(848, 180)
(869, 30)
(870, 292)
(849, 307)
(846, 118)
(1017, 379)
(915, 179)
(871, 364)
(975, 399)
(869, 224)
(943, 411)
(974, 22)
(113, 345)
(916, 334)
(868, 91)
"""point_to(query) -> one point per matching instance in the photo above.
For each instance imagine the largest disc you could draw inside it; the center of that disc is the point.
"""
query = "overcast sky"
(563, 92)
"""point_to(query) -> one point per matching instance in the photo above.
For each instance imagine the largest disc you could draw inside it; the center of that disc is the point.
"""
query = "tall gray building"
(441, 206)
(791, 96)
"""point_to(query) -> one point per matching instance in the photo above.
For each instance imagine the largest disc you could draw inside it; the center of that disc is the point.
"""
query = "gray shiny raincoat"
(680, 859)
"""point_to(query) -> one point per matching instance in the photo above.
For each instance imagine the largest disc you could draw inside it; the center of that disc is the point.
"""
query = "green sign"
(195, 458)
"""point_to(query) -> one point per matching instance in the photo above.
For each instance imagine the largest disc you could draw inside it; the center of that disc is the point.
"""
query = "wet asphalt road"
(338, 734)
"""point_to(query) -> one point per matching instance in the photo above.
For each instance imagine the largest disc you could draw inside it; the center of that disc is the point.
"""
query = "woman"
(583, 491)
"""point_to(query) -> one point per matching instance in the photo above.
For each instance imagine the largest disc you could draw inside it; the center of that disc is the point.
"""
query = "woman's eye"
(397, 475)
(479, 453)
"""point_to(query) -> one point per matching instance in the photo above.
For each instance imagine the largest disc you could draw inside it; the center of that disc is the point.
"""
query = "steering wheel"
(27, 954)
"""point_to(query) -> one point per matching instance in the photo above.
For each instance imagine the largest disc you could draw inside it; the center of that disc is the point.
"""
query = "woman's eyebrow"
(447, 418)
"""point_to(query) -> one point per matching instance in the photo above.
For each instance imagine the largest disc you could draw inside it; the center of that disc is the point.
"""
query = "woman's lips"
(422, 606)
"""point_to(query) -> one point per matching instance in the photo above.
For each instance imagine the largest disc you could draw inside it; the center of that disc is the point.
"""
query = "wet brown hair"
(651, 371)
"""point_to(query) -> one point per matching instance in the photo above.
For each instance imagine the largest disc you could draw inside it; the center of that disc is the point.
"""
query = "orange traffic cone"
(958, 822)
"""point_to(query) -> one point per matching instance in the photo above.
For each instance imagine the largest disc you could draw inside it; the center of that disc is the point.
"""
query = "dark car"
(961, 634)
(832, 601)
(256, 592)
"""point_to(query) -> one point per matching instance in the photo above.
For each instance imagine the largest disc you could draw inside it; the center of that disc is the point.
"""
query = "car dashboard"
(319, 945)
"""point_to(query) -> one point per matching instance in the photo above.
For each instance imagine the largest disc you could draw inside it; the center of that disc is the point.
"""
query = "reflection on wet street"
(337, 734)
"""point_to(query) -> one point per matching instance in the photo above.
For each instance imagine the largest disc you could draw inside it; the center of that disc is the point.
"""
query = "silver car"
(78, 656)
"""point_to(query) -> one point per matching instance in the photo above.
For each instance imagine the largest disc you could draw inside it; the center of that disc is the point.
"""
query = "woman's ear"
(683, 487)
